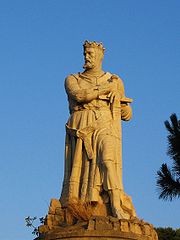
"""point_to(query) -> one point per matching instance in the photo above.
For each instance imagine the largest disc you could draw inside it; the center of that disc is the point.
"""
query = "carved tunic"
(93, 136)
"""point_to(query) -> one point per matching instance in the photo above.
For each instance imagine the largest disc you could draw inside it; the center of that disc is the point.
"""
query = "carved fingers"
(112, 96)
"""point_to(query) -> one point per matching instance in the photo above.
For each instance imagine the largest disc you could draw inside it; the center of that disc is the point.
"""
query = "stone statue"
(93, 203)
(93, 157)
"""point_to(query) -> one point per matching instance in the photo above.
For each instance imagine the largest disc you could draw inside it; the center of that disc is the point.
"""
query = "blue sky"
(40, 44)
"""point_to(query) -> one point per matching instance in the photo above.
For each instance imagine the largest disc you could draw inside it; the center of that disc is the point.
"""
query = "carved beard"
(89, 65)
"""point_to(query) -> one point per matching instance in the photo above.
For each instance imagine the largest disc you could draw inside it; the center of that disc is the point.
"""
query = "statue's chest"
(85, 83)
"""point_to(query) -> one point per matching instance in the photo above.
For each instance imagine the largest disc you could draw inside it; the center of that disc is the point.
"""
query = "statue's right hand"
(107, 88)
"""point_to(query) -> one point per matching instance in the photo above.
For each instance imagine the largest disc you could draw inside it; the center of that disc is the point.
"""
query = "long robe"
(93, 136)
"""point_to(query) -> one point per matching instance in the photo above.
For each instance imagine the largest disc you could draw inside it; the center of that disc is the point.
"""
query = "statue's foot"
(120, 214)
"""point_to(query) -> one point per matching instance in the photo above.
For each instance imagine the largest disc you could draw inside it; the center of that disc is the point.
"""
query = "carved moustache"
(87, 61)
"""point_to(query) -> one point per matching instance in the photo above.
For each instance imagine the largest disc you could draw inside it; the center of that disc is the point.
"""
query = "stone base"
(103, 228)
(78, 222)
(94, 235)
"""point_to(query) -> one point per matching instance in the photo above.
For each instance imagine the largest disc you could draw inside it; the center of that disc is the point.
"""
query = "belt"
(84, 134)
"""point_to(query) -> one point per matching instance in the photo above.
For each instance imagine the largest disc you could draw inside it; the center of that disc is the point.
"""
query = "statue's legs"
(113, 191)
(111, 183)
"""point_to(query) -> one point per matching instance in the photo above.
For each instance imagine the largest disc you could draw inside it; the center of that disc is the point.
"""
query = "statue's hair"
(94, 44)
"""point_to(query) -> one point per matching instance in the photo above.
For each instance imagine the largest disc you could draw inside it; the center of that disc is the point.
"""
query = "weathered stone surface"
(101, 227)
(103, 223)
(116, 226)
(91, 225)
(147, 229)
(93, 203)
(43, 228)
(124, 226)
(92, 235)
(137, 229)
(93, 156)
(50, 220)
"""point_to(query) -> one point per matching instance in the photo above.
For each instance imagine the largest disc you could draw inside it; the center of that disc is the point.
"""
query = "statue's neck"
(94, 72)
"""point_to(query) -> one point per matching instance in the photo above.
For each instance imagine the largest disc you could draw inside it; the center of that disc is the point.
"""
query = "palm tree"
(168, 179)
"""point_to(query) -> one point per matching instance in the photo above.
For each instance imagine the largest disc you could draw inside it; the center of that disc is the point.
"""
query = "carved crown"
(94, 44)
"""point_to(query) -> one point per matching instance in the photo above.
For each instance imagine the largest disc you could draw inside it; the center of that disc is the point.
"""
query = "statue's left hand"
(112, 95)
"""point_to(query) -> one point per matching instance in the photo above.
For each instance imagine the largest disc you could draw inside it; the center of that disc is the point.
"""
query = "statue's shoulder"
(115, 77)
(72, 76)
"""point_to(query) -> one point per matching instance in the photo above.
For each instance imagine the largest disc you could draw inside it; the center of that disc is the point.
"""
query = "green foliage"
(30, 223)
(168, 233)
(168, 179)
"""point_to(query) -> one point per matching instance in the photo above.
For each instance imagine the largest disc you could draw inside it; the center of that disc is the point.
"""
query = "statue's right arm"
(78, 94)
(82, 95)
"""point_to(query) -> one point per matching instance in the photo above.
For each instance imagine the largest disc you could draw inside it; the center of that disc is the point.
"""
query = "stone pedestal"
(72, 223)
(102, 228)
(94, 235)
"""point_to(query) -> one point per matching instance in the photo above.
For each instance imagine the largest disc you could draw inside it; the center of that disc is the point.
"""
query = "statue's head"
(93, 54)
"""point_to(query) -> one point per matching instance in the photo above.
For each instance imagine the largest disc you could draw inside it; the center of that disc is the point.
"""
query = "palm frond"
(174, 142)
(169, 186)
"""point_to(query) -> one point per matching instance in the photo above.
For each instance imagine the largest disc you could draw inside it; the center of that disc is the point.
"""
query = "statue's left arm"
(126, 111)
